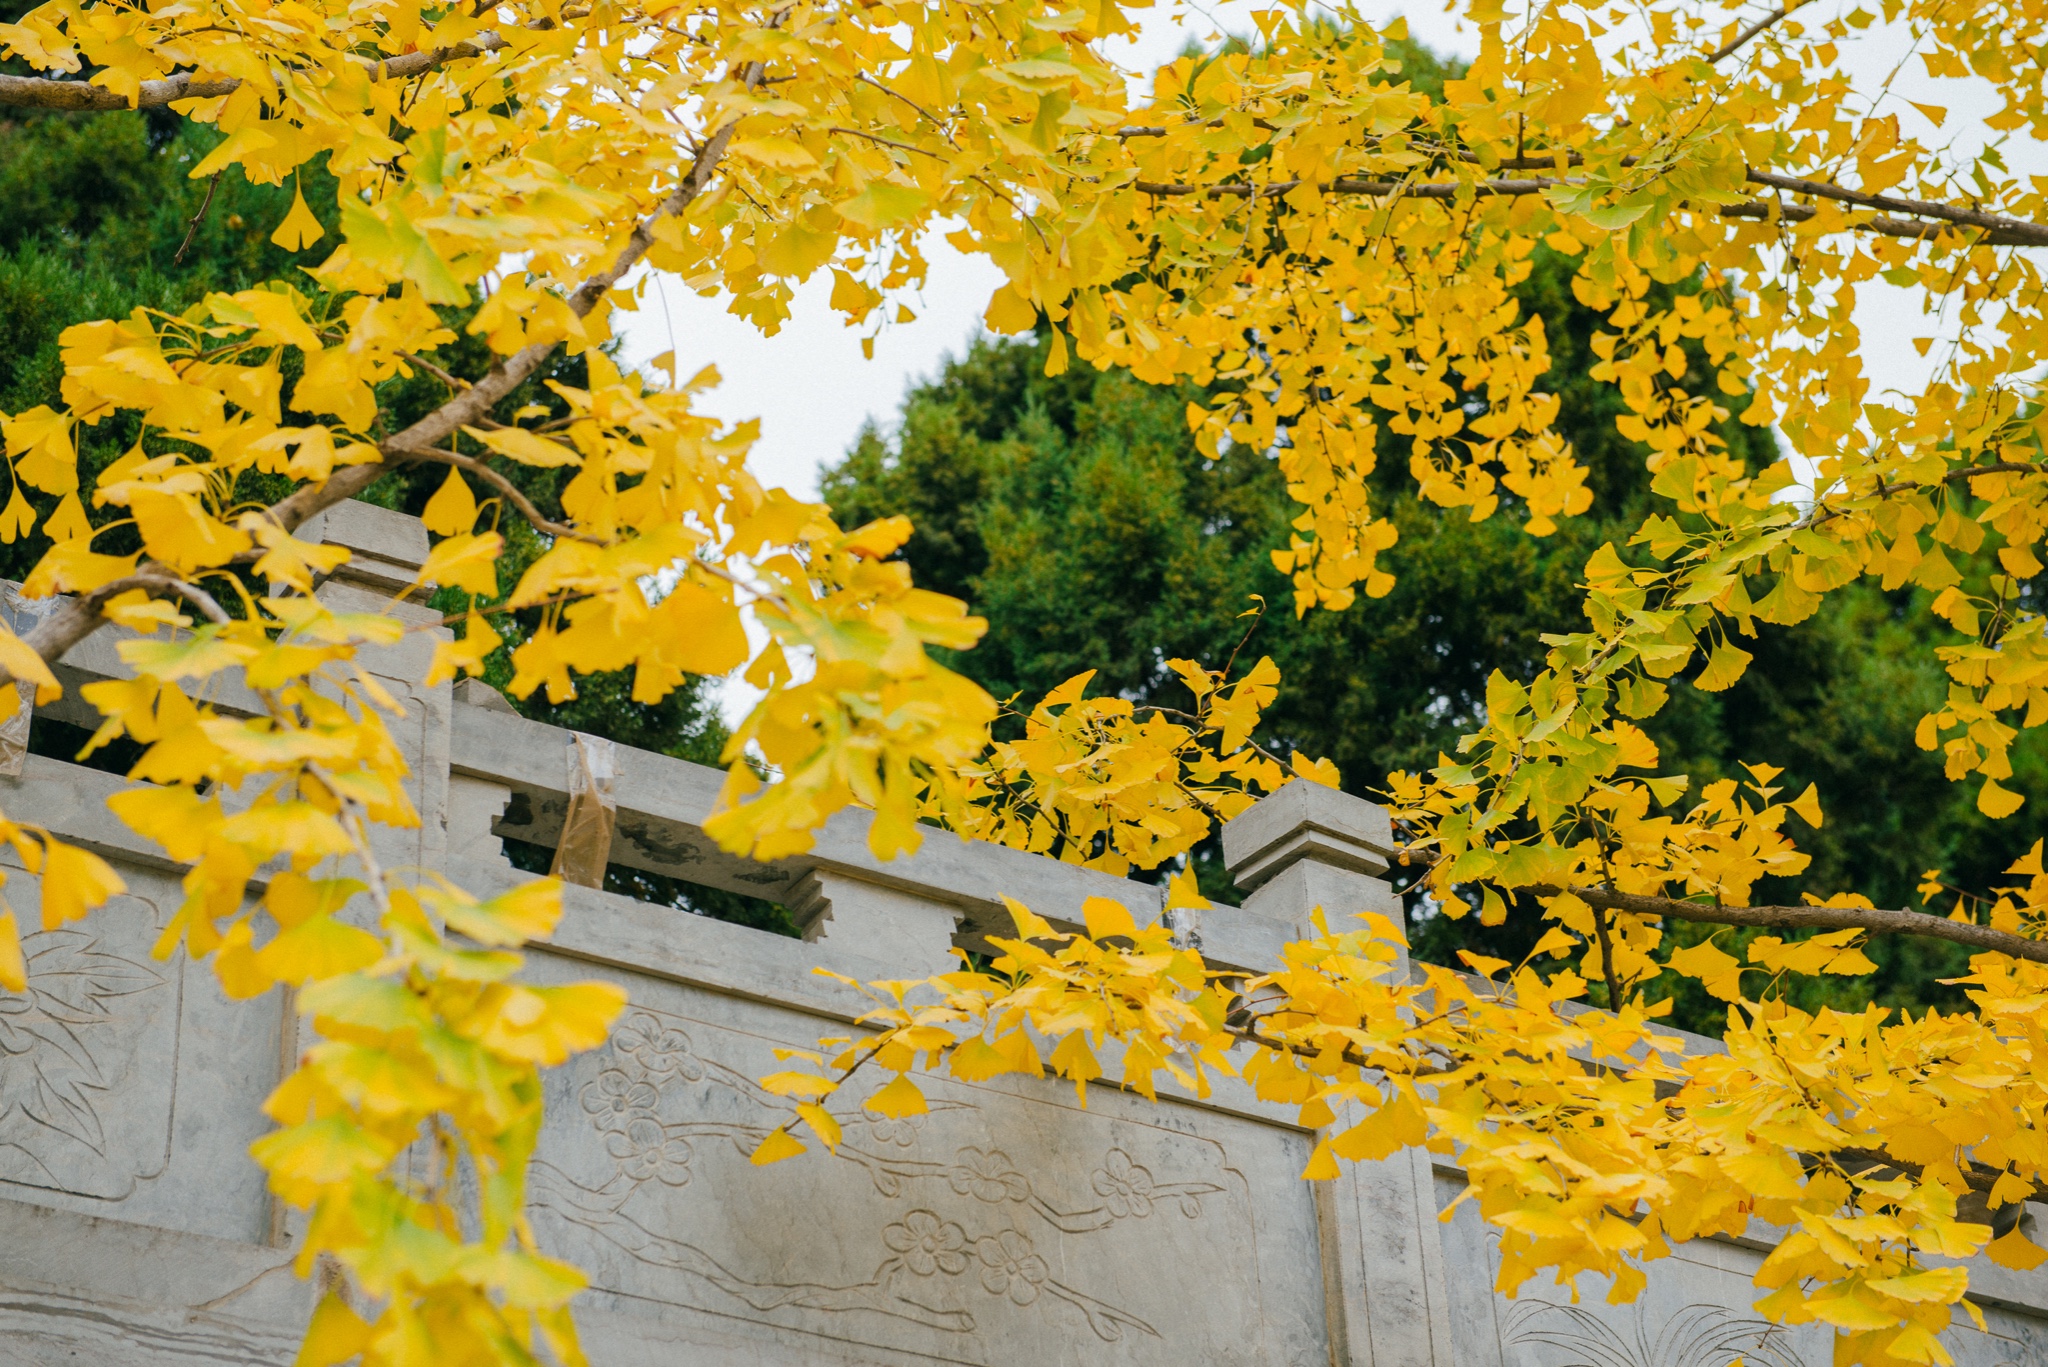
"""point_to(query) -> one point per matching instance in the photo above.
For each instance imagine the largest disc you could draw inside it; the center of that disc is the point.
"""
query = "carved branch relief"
(967, 1233)
(88, 1058)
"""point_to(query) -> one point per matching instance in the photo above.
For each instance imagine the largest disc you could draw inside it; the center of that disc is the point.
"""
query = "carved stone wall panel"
(1696, 1311)
(1008, 1225)
(89, 1057)
(77, 1290)
(129, 1085)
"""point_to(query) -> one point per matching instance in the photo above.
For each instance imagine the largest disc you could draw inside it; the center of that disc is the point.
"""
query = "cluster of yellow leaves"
(426, 1070)
(1286, 221)
(1119, 985)
(1591, 1140)
(1109, 785)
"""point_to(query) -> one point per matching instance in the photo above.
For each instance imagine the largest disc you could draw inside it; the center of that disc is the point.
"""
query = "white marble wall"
(1009, 1226)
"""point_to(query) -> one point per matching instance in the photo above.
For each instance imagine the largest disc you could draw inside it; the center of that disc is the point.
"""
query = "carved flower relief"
(662, 1051)
(928, 1244)
(899, 1132)
(645, 1150)
(1125, 1187)
(1009, 1267)
(987, 1176)
(614, 1100)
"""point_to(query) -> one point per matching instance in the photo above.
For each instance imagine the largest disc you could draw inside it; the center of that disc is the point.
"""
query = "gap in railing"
(661, 890)
(54, 739)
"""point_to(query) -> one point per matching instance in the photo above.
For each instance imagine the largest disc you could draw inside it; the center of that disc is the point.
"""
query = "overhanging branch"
(1999, 230)
(1878, 920)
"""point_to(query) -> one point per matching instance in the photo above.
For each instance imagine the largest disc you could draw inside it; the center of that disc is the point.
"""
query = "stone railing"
(1008, 1226)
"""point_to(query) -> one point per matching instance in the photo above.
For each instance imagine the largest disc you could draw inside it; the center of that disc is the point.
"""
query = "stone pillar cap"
(386, 549)
(1306, 820)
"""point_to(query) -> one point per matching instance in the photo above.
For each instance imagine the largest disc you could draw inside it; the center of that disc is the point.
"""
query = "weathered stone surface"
(878, 921)
(1010, 1225)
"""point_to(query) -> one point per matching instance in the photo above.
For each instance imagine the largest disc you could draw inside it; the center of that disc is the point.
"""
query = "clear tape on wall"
(586, 845)
(23, 616)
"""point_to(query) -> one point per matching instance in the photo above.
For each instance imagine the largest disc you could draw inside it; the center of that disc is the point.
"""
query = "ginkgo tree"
(1285, 222)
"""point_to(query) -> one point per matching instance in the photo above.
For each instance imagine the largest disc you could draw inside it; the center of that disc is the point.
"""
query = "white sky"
(813, 390)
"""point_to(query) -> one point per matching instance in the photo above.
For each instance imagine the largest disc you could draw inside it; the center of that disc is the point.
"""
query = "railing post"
(1308, 846)
(475, 804)
(911, 934)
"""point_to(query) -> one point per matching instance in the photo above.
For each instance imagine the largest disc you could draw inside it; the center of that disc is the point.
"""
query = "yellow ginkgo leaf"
(452, 509)
(17, 517)
(1322, 1164)
(74, 882)
(467, 562)
(1724, 667)
(336, 1334)
(300, 228)
(1996, 802)
(2015, 1250)
(1717, 970)
(821, 1122)
(779, 1144)
(898, 1099)
(528, 448)
(24, 664)
(67, 521)
(13, 968)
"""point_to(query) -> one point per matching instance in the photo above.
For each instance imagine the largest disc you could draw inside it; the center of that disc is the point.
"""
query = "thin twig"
(450, 619)
(541, 522)
(1607, 959)
(932, 118)
(1740, 40)
(454, 382)
(886, 142)
(193, 226)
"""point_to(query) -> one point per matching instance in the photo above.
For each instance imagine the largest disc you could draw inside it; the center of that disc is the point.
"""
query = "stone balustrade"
(1008, 1226)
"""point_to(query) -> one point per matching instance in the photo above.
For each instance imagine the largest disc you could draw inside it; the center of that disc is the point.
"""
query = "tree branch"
(193, 226)
(1741, 40)
(470, 406)
(1878, 920)
(42, 92)
(1999, 230)
(2025, 233)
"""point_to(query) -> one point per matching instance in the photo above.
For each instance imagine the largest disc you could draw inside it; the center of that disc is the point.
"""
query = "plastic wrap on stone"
(587, 828)
(23, 615)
